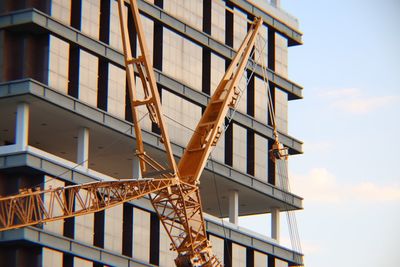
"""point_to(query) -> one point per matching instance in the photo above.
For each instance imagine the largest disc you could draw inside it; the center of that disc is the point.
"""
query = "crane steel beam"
(210, 126)
(33, 206)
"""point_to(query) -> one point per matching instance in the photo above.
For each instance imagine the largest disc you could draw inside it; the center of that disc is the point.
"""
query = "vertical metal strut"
(151, 96)
(179, 206)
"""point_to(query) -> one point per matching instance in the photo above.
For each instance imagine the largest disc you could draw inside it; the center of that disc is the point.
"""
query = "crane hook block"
(279, 152)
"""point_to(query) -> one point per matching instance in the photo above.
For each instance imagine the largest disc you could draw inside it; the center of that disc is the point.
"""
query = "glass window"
(239, 28)
(281, 55)
(61, 10)
(78, 262)
(239, 148)
(116, 91)
(282, 181)
(218, 20)
(113, 228)
(84, 225)
(242, 99)
(141, 234)
(281, 110)
(280, 263)
(58, 64)
(167, 256)
(218, 246)
(190, 12)
(148, 27)
(260, 100)
(115, 29)
(51, 258)
(238, 256)
(55, 226)
(261, 157)
(90, 21)
(181, 117)
(260, 259)
(217, 72)
(88, 78)
(182, 59)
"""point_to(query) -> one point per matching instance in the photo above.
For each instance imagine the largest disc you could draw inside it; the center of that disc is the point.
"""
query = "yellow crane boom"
(31, 207)
(173, 190)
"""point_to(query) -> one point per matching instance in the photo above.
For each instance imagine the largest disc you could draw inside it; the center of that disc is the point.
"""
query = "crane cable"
(283, 178)
(290, 215)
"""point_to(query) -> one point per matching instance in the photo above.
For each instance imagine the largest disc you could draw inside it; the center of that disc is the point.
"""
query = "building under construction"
(82, 130)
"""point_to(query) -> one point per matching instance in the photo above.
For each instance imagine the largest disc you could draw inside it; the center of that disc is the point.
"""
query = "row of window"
(181, 115)
(181, 58)
(53, 258)
(189, 11)
(141, 236)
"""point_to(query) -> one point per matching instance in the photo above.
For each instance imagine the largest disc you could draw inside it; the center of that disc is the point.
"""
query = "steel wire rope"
(291, 218)
(267, 87)
(284, 183)
(291, 223)
(272, 118)
(248, 79)
(291, 214)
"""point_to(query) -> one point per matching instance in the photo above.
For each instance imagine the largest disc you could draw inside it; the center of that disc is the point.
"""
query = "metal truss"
(31, 207)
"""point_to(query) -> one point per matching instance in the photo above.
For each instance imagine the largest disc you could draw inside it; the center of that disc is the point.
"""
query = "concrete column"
(276, 3)
(22, 126)
(275, 224)
(82, 156)
(234, 206)
(136, 174)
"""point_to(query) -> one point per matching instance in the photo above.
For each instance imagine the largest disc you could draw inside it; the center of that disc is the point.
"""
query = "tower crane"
(173, 188)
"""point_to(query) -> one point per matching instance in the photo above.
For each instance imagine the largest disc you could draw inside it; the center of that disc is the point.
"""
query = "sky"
(349, 121)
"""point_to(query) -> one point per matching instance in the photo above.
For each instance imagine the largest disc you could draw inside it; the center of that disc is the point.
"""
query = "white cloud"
(321, 186)
(355, 101)
(317, 186)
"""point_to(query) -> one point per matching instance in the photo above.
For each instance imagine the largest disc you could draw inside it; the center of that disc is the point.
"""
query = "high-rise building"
(64, 119)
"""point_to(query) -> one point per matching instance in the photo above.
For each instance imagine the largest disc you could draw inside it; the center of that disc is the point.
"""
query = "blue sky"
(349, 175)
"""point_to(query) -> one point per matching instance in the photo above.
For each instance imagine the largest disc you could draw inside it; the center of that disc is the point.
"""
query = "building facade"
(65, 119)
